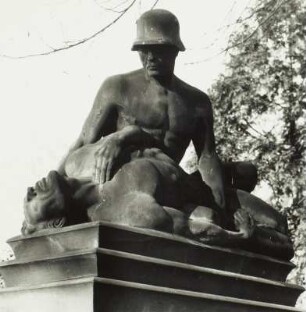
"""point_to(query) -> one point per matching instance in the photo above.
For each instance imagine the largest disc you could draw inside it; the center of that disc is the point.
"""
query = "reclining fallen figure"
(124, 167)
(134, 197)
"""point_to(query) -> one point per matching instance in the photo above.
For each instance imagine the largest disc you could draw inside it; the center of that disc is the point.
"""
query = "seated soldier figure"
(124, 167)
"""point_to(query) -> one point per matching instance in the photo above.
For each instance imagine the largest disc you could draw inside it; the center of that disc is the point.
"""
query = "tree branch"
(113, 9)
(77, 43)
(276, 8)
(258, 132)
(154, 5)
(241, 20)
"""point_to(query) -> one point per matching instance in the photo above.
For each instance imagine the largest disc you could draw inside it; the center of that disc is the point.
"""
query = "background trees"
(259, 100)
(260, 108)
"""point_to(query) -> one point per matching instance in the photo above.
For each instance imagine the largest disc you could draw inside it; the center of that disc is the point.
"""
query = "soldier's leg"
(240, 175)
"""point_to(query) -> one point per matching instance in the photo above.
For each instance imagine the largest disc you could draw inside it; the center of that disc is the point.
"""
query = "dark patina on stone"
(124, 167)
(121, 227)
(139, 265)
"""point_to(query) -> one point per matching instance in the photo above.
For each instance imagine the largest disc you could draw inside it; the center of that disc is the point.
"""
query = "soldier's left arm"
(204, 143)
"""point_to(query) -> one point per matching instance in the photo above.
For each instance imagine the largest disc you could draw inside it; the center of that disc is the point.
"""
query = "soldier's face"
(158, 60)
(44, 200)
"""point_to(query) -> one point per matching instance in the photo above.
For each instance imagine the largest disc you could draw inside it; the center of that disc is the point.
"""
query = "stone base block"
(107, 295)
(130, 267)
(102, 267)
(147, 243)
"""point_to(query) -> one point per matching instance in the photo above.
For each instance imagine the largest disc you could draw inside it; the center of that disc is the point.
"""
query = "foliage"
(260, 107)
(6, 254)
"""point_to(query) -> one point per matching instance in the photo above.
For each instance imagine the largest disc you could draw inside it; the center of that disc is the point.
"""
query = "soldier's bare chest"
(158, 109)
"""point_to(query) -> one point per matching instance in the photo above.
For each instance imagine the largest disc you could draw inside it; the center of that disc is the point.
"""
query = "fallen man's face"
(45, 200)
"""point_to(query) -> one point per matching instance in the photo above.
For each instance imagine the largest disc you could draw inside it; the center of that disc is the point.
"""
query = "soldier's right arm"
(102, 118)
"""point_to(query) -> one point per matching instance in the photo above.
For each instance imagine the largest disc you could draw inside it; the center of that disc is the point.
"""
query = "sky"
(45, 100)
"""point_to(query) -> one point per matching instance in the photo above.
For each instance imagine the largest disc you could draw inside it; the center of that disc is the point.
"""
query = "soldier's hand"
(105, 158)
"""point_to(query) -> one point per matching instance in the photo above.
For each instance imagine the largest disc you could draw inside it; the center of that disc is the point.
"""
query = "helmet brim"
(138, 44)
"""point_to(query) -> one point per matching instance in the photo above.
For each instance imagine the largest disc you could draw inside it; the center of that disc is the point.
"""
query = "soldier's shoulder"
(112, 81)
(133, 76)
(190, 91)
(123, 79)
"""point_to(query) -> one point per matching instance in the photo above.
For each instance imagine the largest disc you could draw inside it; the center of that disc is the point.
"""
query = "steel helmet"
(158, 27)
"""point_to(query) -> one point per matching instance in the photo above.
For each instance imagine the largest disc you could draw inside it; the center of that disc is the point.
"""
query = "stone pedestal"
(110, 268)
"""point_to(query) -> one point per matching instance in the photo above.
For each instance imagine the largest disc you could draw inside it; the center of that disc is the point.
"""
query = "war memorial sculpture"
(120, 216)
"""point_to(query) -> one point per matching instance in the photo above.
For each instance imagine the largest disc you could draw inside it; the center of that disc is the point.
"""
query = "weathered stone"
(146, 270)
(124, 167)
(149, 243)
(107, 295)
(149, 258)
